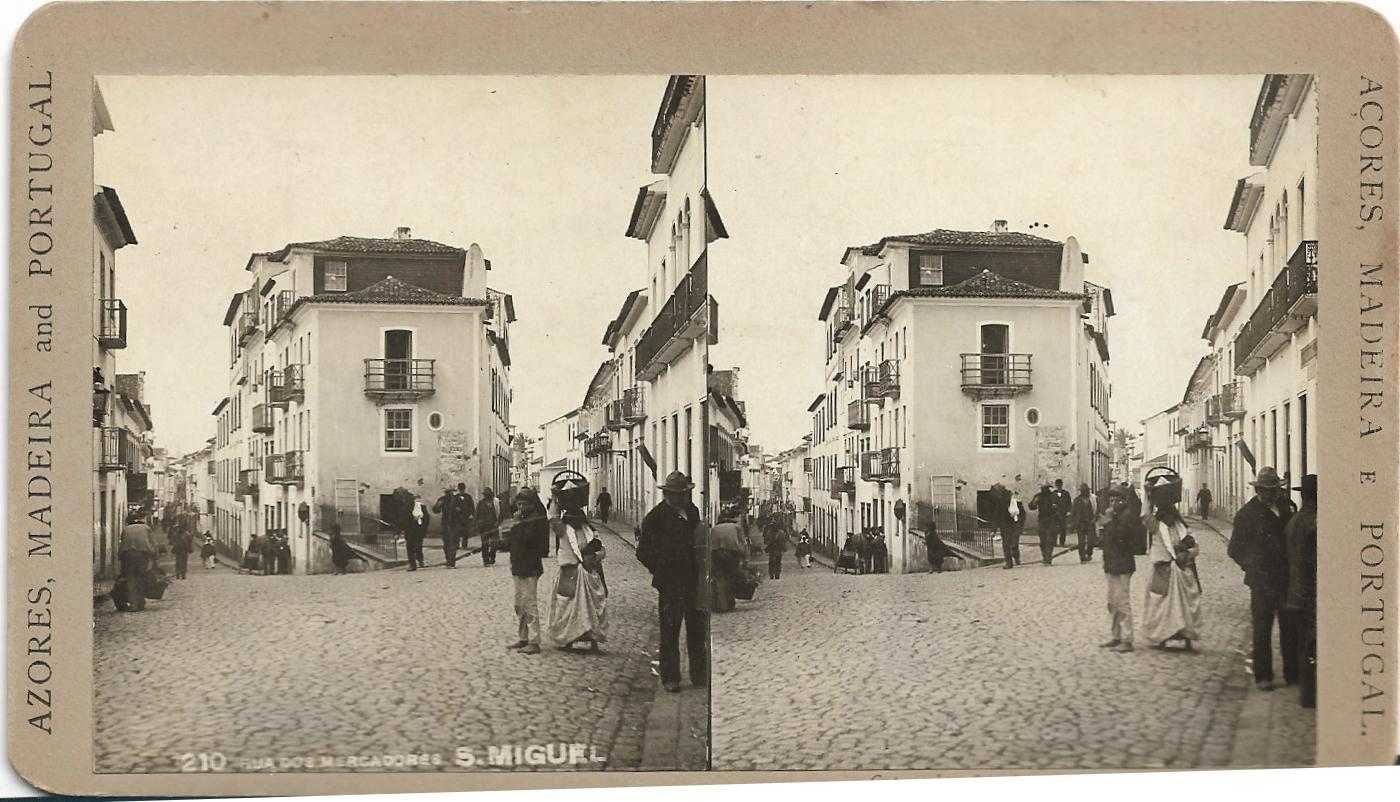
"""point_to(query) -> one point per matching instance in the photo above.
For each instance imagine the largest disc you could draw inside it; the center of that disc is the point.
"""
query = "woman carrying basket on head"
(1173, 610)
(578, 610)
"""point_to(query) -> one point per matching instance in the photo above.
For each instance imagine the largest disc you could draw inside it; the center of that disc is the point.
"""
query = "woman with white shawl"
(1173, 609)
(578, 610)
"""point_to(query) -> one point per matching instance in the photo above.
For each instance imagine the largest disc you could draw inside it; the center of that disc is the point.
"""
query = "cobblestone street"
(265, 670)
(988, 669)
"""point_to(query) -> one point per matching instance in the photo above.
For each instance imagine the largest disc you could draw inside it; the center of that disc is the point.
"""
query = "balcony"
(843, 482)
(248, 482)
(806, 464)
(399, 380)
(274, 469)
(1227, 405)
(841, 319)
(280, 304)
(1284, 309)
(875, 302)
(882, 381)
(597, 445)
(262, 419)
(118, 450)
(285, 386)
(295, 472)
(996, 375)
(880, 466)
(681, 319)
(857, 416)
(1198, 440)
(633, 405)
(111, 324)
(247, 325)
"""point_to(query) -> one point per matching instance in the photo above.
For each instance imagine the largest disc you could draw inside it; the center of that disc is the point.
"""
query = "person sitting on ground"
(341, 553)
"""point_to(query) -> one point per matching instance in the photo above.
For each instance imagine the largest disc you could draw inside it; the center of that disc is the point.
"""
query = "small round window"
(435, 421)
(1033, 416)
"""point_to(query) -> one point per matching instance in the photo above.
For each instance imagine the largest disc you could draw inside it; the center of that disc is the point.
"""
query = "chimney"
(998, 226)
(403, 232)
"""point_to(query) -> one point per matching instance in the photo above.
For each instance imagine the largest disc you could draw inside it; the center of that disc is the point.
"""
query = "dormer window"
(930, 269)
(335, 277)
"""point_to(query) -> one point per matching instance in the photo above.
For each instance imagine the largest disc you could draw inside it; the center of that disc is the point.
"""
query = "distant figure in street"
(880, 553)
(252, 557)
(284, 555)
(668, 549)
(938, 551)
(1083, 515)
(604, 505)
(727, 555)
(341, 553)
(1045, 502)
(1134, 500)
(1203, 500)
(1118, 567)
(181, 544)
(1173, 610)
(804, 550)
(457, 509)
(1001, 513)
(415, 529)
(863, 544)
(528, 541)
(775, 542)
(1063, 504)
(1301, 535)
(487, 526)
(136, 555)
(269, 555)
(1259, 546)
(207, 551)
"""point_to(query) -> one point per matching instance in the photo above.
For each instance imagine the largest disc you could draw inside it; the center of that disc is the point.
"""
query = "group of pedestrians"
(1058, 514)
(268, 555)
(463, 518)
(865, 552)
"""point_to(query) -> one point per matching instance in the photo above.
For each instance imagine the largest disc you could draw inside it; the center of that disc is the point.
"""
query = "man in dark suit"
(668, 550)
(1063, 504)
(1259, 546)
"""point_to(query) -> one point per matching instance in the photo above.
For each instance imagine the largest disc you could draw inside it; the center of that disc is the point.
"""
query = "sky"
(1139, 169)
(541, 172)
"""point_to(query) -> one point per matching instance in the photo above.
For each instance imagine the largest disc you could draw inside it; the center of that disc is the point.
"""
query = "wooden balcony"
(282, 302)
(681, 319)
(247, 326)
(111, 324)
(857, 416)
(843, 482)
(633, 405)
(841, 320)
(399, 380)
(249, 480)
(882, 380)
(1285, 308)
(880, 466)
(1226, 405)
(274, 469)
(119, 452)
(296, 467)
(597, 445)
(996, 375)
(285, 386)
(1198, 440)
(262, 419)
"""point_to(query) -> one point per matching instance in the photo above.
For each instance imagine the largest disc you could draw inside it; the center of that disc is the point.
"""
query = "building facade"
(359, 366)
(954, 360)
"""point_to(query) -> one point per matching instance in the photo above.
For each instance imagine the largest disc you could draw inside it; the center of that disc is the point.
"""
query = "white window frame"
(344, 276)
(918, 266)
(384, 431)
(1010, 425)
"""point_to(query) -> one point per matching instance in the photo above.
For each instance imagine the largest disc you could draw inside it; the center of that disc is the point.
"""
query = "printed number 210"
(202, 761)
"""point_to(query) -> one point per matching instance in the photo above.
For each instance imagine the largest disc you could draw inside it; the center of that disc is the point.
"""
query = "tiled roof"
(943, 236)
(391, 245)
(390, 290)
(990, 285)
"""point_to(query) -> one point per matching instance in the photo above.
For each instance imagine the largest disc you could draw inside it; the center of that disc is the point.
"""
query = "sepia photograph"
(1028, 465)
(399, 413)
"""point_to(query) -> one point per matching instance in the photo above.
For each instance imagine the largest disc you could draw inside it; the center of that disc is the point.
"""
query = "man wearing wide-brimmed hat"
(1258, 544)
(668, 550)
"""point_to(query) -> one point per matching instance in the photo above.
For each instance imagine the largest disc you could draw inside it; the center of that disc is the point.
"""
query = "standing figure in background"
(528, 542)
(487, 526)
(1259, 546)
(1063, 503)
(1045, 503)
(804, 550)
(1174, 590)
(668, 550)
(1203, 500)
(1082, 514)
(1119, 564)
(181, 544)
(775, 543)
(415, 530)
(137, 556)
(604, 505)
(207, 551)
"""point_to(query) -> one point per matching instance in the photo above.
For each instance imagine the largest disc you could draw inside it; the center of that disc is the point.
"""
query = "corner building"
(954, 360)
(358, 366)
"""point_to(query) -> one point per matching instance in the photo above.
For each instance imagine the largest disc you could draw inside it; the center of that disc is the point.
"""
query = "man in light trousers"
(1118, 566)
(528, 540)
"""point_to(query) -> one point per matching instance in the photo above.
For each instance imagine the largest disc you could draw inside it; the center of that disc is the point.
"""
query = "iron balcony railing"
(247, 324)
(399, 379)
(111, 324)
(1198, 440)
(118, 450)
(280, 306)
(262, 419)
(286, 385)
(875, 301)
(633, 406)
(678, 320)
(612, 415)
(248, 482)
(275, 469)
(882, 380)
(1000, 373)
(889, 464)
(841, 319)
(1283, 309)
(880, 466)
(857, 416)
(296, 466)
(596, 445)
(844, 481)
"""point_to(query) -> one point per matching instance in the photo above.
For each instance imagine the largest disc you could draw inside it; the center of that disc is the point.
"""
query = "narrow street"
(989, 669)
(267, 670)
